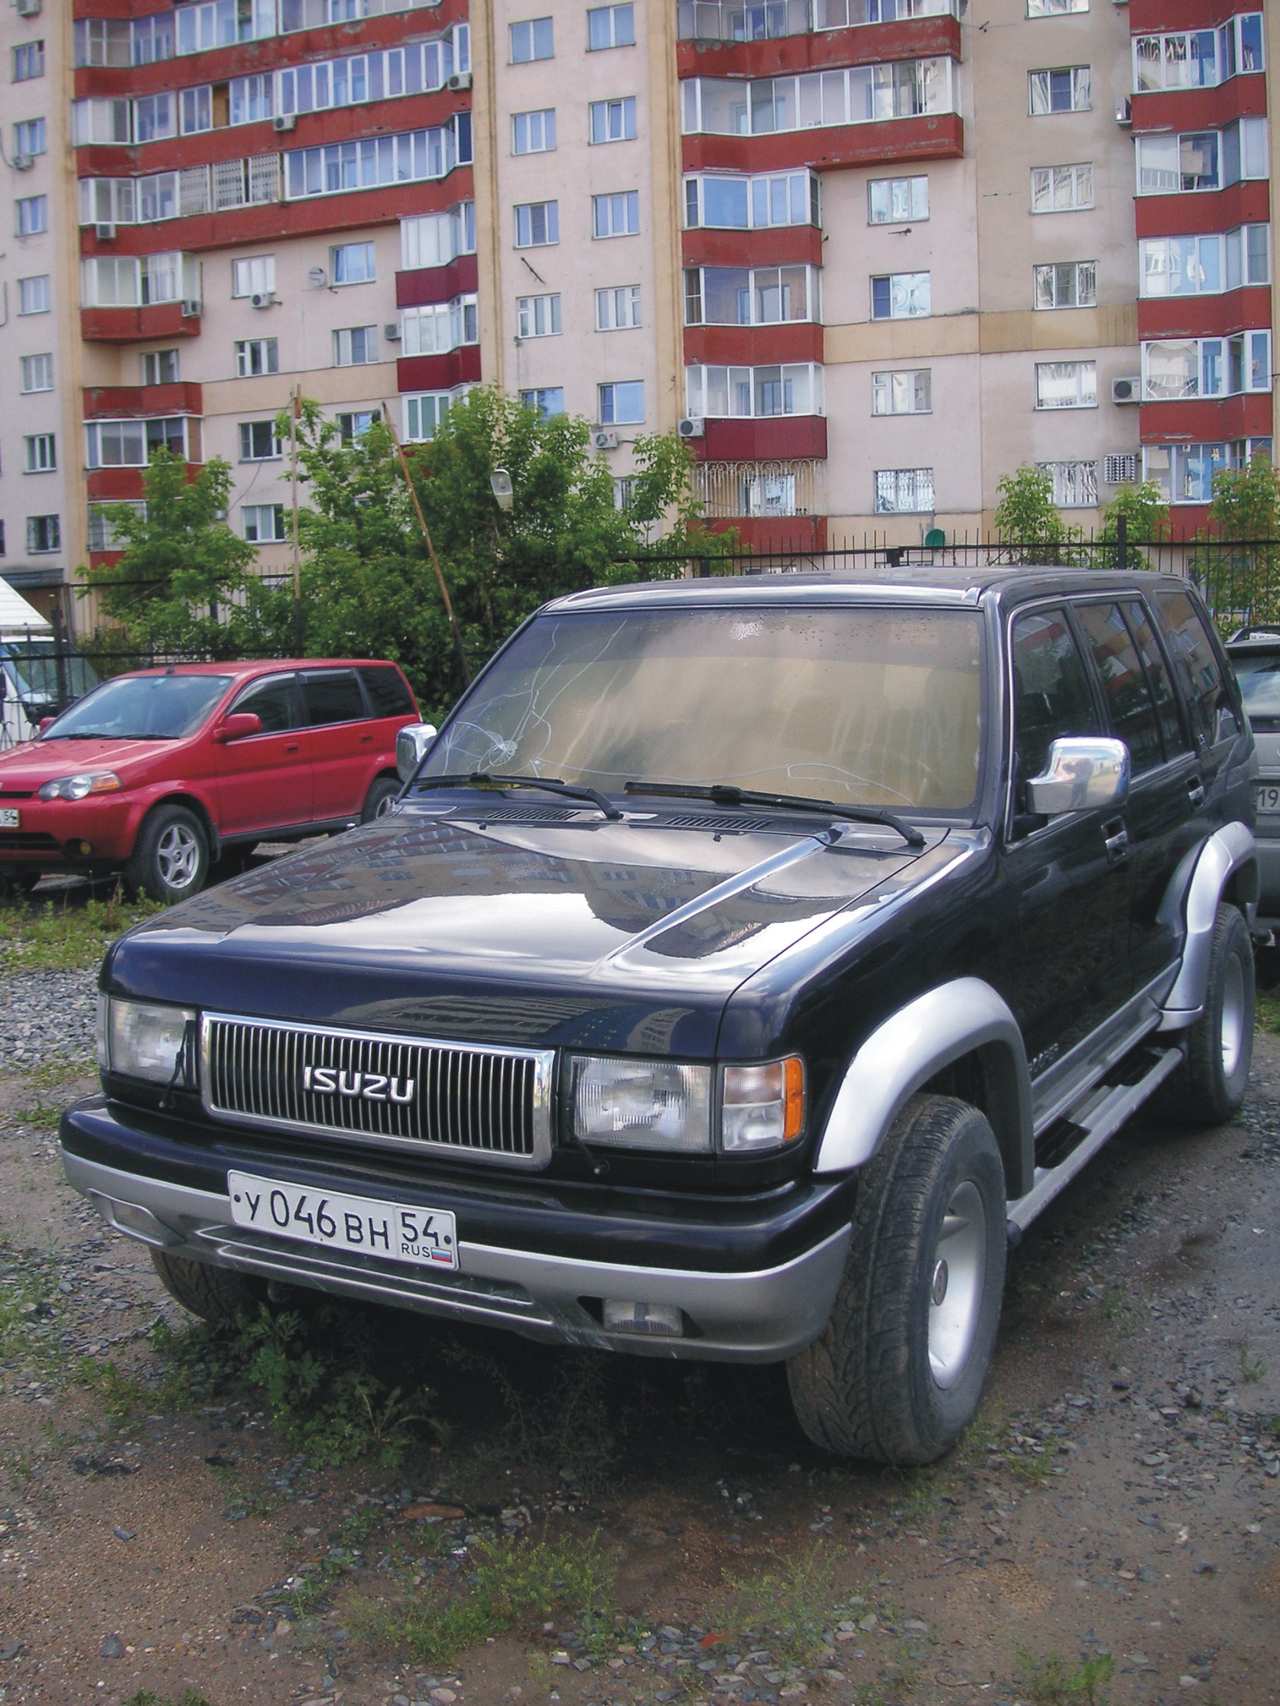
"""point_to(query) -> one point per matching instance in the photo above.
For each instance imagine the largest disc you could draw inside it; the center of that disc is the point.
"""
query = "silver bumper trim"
(763, 1316)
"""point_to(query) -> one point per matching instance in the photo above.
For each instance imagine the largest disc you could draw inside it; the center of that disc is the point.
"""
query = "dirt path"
(1110, 1531)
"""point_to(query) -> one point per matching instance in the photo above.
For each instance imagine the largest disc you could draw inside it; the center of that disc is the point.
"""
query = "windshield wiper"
(550, 784)
(729, 794)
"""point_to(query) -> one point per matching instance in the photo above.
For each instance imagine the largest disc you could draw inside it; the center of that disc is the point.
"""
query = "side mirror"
(413, 742)
(45, 723)
(1080, 773)
(238, 726)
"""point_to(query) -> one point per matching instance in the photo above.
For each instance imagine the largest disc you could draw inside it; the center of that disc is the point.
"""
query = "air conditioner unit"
(1120, 468)
(1127, 390)
(604, 439)
(459, 81)
(285, 121)
(23, 162)
(691, 426)
(1124, 112)
(391, 331)
(105, 233)
(28, 8)
(191, 308)
(263, 299)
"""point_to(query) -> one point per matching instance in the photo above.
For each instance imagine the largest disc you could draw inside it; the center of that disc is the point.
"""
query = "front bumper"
(745, 1312)
(49, 830)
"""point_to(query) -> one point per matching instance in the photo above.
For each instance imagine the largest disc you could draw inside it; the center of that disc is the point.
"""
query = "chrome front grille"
(473, 1100)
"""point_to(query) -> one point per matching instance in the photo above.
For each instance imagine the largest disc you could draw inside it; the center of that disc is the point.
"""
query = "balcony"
(420, 287)
(439, 372)
(718, 38)
(896, 141)
(1204, 316)
(132, 325)
(767, 438)
(125, 402)
(791, 341)
(1206, 420)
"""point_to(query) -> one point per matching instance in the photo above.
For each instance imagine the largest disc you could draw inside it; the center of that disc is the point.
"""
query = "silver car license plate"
(1267, 796)
(398, 1232)
(10, 817)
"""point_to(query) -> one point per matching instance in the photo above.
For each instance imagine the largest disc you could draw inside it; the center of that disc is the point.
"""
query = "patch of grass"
(43, 1116)
(121, 1395)
(1267, 1009)
(1252, 1367)
(790, 1609)
(315, 1585)
(1054, 1681)
(188, 1697)
(1118, 1306)
(66, 935)
(29, 1320)
(512, 1581)
(1034, 1467)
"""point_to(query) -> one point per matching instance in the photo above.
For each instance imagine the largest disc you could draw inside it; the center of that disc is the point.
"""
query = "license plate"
(10, 817)
(1267, 796)
(427, 1237)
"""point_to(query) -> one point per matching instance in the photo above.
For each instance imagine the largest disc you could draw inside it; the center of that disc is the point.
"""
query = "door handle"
(292, 746)
(1195, 791)
(366, 740)
(1115, 838)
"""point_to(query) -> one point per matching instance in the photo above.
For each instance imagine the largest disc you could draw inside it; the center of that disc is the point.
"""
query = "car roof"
(932, 583)
(1258, 639)
(258, 666)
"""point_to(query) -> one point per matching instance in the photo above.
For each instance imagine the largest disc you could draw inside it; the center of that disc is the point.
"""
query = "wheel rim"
(178, 856)
(384, 805)
(956, 1284)
(1231, 1028)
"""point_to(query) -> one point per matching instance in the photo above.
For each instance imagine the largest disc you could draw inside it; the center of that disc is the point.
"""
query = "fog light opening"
(664, 1320)
(134, 1221)
(79, 849)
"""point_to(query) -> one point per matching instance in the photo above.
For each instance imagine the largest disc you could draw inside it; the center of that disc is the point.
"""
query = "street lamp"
(500, 486)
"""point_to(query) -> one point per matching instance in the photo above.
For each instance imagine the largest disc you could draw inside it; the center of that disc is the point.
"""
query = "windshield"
(1259, 676)
(141, 707)
(33, 668)
(863, 705)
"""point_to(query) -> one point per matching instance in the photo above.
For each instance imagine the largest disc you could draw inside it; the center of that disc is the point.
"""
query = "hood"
(35, 761)
(439, 925)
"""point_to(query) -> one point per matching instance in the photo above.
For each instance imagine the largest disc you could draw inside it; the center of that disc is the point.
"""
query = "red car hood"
(25, 767)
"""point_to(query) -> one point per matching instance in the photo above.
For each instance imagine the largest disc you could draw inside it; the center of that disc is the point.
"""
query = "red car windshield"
(140, 707)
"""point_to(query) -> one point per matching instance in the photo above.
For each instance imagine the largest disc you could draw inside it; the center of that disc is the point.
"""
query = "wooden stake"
(459, 650)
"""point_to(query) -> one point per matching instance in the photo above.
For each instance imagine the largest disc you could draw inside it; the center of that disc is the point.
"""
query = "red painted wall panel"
(868, 44)
(890, 141)
(438, 372)
(117, 483)
(136, 325)
(1210, 421)
(117, 402)
(786, 245)
(1206, 210)
(779, 436)
(754, 345)
(781, 533)
(423, 285)
(1148, 15)
(1204, 316)
(1200, 109)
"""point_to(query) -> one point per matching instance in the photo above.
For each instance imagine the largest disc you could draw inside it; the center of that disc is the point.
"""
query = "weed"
(29, 1320)
(188, 1697)
(921, 1494)
(793, 1606)
(42, 1116)
(1051, 1681)
(121, 1395)
(1118, 1306)
(54, 1073)
(314, 1586)
(1034, 1468)
(66, 935)
(1252, 1368)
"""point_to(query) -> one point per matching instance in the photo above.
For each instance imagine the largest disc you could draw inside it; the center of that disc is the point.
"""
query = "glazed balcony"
(133, 325)
(719, 39)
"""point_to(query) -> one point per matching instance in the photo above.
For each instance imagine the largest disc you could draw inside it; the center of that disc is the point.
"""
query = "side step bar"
(1100, 1114)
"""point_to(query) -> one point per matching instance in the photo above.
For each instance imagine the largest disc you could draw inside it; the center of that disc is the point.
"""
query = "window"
(104, 535)
(901, 296)
(258, 441)
(332, 696)
(745, 392)
(532, 39)
(257, 355)
(897, 201)
(355, 346)
(33, 294)
(859, 94)
(1195, 663)
(255, 276)
(768, 494)
(755, 203)
(1184, 473)
(537, 316)
(159, 367)
(620, 403)
(1194, 160)
(610, 26)
(114, 281)
(1196, 59)
(904, 491)
(35, 373)
(1075, 484)
(423, 414)
(612, 121)
(750, 296)
(1158, 678)
(196, 110)
(132, 443)
(28, 62)
(533, 132)
(253, 98)
(1066, 284)
(33, 215)
(154, 117)
(537, 224)
(351, 263)
(1066, 90)
(1178, 368)
(440, 326)
(263, 523)
(624, 491)
(29, 137)
(435, 239)
(387, 693)
(1061, 189)
(1130, 709)
(547, 400)
(1052, 699)
(1054, 8)
(902, 391)
(618, 308)
(1066, 384)
(44, 533)
(41, 453)
(411, 157)
(354, 423)
(615, 215)
(414, 68)
(274, 700)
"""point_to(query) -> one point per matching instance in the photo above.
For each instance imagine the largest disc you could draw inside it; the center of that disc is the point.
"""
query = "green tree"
(184, 580)
(368, 584)
(1237, 559)
(1146, 518)
(1026, 519)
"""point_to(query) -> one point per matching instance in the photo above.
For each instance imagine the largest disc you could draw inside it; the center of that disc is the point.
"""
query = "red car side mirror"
(238, 726)
(45, 723)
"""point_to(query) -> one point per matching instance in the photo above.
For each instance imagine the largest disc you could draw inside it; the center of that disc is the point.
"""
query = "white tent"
(16, 615)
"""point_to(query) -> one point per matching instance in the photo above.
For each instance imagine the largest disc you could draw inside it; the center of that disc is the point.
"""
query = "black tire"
(171, 839)
(216, 1295)
(1209, 1086)
(377, 802)
(18, 882)
(868, 1388)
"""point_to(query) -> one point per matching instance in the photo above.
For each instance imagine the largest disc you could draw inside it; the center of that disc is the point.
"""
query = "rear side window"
(388, 693)
(1196, 668)
(332, 696)
(1158, 678)
(274, 700)
(1130, 709)
(1052, 698)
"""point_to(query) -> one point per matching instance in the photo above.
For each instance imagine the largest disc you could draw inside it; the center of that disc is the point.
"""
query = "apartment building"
(867, 256)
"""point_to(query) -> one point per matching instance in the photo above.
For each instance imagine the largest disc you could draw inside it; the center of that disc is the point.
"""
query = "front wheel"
(171, 858)
(899, 1370)
(382, 795)
(216, 1295)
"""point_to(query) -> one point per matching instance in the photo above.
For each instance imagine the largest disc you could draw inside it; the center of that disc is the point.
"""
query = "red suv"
(159, 772)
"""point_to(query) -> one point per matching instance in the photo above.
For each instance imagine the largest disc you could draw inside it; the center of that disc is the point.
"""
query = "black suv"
(745, 963)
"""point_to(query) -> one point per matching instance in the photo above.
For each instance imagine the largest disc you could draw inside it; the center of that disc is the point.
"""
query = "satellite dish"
(318, 276)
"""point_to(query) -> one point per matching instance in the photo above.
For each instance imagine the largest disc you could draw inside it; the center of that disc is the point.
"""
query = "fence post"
(60, 650)
(1122, 542)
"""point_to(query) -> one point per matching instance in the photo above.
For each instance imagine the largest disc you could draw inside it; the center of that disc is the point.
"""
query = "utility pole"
(295, 409)
(459, 652)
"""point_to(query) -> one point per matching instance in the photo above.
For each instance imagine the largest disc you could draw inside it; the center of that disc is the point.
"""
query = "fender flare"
(962, 1017)
(1196, 893)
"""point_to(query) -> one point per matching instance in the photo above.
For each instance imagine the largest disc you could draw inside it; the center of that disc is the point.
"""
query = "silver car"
(1255, 657)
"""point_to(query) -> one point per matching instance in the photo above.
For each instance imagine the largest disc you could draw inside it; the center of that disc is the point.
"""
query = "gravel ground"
(46, 1015)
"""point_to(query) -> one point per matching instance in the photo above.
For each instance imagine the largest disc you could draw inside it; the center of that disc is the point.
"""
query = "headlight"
(76, 787)
(146, 1041)
(763, 1106)
(642, 1104)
